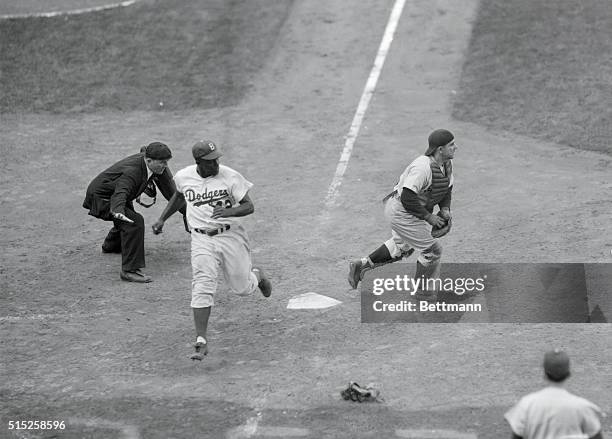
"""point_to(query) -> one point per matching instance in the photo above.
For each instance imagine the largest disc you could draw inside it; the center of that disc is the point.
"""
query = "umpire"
(110, 197)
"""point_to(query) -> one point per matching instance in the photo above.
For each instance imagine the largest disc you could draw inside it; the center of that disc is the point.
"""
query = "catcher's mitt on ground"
(438, 232)
(355, 392)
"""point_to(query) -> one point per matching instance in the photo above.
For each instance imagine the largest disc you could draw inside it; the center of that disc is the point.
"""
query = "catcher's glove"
(438, 232)
(355, 392)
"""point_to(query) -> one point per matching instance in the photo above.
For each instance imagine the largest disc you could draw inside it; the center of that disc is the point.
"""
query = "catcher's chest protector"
(439, 185)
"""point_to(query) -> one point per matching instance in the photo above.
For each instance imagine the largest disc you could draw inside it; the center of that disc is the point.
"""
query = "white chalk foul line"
(283, 431)
(245, 431)
(128, 431)
(71, 12)
(47, 316)
(268, 431)
(368, 91)
(249, 429)
(434, 434)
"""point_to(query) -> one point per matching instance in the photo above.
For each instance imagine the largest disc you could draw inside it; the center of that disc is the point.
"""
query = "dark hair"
(557, 379)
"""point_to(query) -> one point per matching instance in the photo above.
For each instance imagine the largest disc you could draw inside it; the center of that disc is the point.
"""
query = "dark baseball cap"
(437, 138)
(157, 151)
(206, 150)
(556, 364)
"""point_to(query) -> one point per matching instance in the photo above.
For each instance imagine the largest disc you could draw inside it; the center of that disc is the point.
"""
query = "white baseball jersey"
(227, 252)
(417, 176)
(554, 413)
(226, 188)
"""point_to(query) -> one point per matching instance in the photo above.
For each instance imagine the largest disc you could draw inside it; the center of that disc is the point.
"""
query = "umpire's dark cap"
(438, 138)
(206, 150)
(157, 151)
(556, 364)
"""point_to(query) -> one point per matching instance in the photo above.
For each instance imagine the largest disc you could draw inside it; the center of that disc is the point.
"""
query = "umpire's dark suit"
(114, 191)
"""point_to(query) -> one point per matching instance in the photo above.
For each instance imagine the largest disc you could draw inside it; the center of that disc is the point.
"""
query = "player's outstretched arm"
(245, 207)
(176, 202)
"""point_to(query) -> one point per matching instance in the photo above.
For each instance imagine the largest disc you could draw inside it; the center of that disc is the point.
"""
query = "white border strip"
(128, 431)
(434, 434)
(368, 91)
(72, 12)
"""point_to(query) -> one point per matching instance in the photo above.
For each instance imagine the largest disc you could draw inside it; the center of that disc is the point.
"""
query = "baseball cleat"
(201, 349)
(265, 286)
(355, 273)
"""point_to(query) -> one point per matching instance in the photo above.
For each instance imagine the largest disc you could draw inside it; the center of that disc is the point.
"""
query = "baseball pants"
(227, 254)
(407, 231)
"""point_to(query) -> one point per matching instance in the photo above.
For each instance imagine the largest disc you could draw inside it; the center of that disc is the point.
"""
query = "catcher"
(425, 183)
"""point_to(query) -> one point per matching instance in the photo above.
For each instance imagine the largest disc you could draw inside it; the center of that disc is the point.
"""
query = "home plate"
(312, 301)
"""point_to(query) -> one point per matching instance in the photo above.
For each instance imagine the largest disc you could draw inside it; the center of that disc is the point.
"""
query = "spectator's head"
(556, 366)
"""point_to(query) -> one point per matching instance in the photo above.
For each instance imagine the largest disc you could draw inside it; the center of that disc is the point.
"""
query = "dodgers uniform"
(227, 251)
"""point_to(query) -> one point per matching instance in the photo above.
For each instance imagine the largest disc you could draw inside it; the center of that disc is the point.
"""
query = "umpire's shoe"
(135, 276)
(264, 284)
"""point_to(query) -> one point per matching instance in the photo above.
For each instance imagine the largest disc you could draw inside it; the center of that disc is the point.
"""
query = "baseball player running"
(216, 196)
(425, 183)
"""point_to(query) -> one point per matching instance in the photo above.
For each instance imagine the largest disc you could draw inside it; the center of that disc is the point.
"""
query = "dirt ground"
(111, 358)
(34, 7)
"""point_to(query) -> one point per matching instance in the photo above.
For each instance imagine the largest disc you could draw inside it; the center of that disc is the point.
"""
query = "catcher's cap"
(157, 151)
(439, 138)
(206, 150)
(557, 364)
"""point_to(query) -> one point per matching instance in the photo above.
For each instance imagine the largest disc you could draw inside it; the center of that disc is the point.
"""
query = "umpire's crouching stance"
(110, 197)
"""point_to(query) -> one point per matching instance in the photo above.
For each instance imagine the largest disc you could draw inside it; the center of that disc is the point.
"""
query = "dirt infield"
(111, 358)
(41, 8)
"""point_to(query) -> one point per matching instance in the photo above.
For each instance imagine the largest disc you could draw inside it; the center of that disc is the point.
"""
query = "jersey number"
(226, 202)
